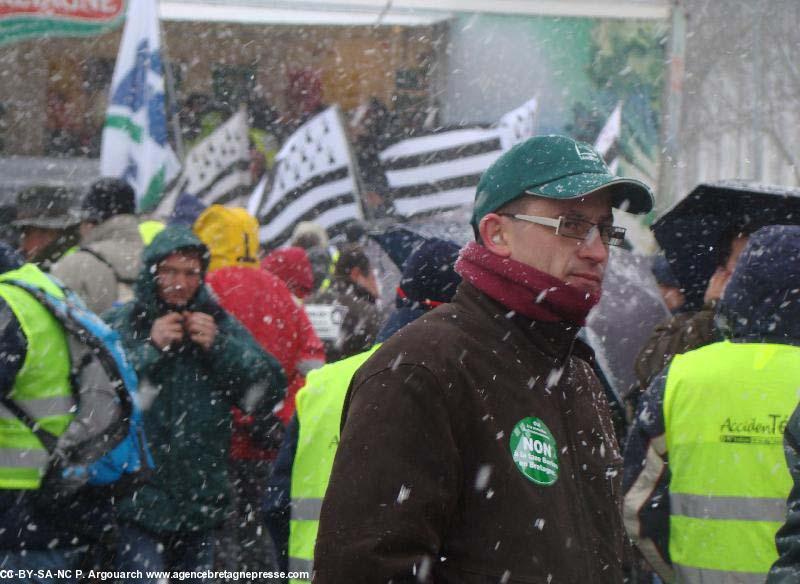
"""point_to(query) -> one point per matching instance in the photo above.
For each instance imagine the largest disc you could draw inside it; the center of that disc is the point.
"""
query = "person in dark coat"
(668, 284)
(704, 479)
(477, 444)
(786, 569)
(690, 329)
(428, 280)
(194, 362)
(345, 315)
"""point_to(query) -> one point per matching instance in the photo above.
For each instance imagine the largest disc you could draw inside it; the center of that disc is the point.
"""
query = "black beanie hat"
(108, 197)
(663, 272)
(429, 274)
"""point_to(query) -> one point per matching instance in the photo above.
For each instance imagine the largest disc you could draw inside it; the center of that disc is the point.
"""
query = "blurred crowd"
(248, 360)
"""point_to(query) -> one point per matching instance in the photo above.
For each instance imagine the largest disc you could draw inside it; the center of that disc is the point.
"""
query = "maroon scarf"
(523, 289)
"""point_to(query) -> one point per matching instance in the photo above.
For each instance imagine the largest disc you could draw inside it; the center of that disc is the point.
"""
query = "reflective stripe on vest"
(298, 565)
(40, 408)
(725, 408)
(42, 386)
(326, 283)
(733, 508)
(700, 576)
(319, 413)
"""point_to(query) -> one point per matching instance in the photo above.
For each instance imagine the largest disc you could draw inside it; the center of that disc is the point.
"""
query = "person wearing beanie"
(668, 284)
(314, 239)
(690, 329)
(186, 211)
(308, 234)
(477, 443)
(705, 480)
(265, 306)
(304, 462)
(194, 361)
(345, 314)
(104, 267)
(428, 280)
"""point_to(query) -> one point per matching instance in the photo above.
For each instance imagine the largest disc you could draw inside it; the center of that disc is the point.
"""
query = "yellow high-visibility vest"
(42, 387)
(319, 412)
(149, 229)
(726, 406)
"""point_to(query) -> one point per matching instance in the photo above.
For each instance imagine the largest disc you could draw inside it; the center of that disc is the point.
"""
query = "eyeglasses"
(576, 228)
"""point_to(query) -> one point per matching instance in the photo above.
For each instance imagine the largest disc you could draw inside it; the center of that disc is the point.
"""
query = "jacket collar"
(557, 340)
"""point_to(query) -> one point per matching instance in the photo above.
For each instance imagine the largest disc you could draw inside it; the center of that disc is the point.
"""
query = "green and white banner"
(25, 19)
(135, 146)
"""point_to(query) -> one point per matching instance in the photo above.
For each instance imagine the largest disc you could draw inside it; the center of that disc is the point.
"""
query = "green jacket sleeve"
(786, 569)
(142, 354)
(254, 380)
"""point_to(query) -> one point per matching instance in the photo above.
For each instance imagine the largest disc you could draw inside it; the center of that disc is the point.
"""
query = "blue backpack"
(105, 444)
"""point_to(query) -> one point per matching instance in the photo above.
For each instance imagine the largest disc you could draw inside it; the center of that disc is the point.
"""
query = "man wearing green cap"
(476, 443)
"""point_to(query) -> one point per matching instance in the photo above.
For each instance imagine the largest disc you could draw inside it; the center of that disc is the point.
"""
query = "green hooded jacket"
(188, 423)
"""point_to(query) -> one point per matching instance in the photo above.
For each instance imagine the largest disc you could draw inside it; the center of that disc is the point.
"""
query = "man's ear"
(494, 235)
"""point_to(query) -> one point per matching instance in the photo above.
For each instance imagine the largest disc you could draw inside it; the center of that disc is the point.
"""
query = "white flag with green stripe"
(135, 145)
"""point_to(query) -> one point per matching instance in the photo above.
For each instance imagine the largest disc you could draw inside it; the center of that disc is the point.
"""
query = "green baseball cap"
(555, 167)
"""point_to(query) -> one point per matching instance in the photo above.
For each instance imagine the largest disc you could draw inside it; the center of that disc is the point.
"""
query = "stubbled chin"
(587, 286)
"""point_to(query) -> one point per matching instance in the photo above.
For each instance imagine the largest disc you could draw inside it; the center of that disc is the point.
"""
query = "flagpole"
(173, 97)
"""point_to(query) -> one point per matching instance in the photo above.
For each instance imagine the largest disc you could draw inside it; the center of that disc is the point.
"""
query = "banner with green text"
(25, 19)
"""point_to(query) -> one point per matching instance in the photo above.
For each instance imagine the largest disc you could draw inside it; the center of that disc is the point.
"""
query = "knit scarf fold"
(523, 289)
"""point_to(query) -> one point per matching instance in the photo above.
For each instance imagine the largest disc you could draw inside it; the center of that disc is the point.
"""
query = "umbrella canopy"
(620, 325)
(690, 232)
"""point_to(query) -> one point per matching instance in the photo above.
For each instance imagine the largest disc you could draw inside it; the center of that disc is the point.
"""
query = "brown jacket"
(681, 333)
(424, 485)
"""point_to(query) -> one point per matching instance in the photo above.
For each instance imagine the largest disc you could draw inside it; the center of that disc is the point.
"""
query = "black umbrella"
(690, 232)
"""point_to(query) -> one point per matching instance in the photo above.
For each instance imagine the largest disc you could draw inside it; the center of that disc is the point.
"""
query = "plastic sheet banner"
(26, 19)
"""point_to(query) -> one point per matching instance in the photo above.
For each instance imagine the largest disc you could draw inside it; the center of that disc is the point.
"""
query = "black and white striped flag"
(607, 143)
(215, 168)
(518, 125)
(440, 171)
(314, 181)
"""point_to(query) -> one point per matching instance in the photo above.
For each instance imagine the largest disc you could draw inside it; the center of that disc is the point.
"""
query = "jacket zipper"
(573, 451)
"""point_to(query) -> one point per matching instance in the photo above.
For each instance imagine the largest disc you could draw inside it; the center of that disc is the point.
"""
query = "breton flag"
(218, 165)
(134, 145)
(518, 125)
(440, 171)
(608, 139)
(315, 180)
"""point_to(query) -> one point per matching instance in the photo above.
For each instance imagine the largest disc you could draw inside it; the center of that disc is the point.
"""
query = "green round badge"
(535, 451)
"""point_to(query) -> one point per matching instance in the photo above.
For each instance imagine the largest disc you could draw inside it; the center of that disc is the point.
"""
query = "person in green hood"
(194, 362)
